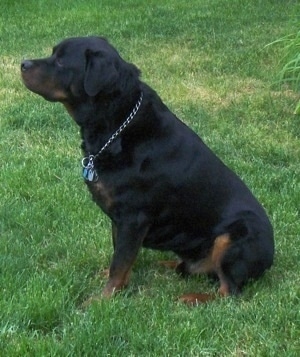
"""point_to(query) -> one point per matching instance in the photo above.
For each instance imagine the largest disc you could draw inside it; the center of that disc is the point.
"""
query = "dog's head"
(79, 68)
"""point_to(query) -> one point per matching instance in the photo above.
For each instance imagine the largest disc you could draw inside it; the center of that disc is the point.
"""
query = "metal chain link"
(88, 161)
(122, 127)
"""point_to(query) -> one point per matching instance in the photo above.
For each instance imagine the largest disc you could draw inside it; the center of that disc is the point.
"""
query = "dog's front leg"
(127, 239)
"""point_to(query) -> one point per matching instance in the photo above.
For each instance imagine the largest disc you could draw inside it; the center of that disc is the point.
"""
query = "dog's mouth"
(30, 73)
(37, 82)
(54, 95)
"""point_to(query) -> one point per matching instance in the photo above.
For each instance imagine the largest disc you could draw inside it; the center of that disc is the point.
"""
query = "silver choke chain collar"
(89, 173)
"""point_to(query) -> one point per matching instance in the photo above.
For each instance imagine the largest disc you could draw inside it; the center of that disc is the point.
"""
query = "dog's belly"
(185, 244)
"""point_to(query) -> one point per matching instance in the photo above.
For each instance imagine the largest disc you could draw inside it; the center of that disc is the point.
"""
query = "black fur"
(162, 187)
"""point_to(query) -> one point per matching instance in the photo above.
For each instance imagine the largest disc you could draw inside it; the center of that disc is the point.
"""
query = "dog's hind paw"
(169, 264)
(195, 299)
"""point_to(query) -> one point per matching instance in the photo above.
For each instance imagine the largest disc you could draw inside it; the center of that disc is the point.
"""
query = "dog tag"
(89, 174)
(85, 173)
(93, 177)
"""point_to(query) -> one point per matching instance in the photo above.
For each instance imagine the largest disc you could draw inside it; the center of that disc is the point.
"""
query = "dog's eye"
(59, 62)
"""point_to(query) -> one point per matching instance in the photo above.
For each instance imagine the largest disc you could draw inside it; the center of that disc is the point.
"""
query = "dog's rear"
(157, 181)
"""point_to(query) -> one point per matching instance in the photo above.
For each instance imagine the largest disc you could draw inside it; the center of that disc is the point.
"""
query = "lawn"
(210, 63)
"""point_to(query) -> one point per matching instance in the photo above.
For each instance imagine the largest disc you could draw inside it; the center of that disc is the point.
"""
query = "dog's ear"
(100, 73)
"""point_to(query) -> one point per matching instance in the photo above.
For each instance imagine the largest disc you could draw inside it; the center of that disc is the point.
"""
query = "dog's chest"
(102, 194)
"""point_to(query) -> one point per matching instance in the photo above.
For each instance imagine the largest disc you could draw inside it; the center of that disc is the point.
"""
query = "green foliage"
(208, 61)
(290, 72)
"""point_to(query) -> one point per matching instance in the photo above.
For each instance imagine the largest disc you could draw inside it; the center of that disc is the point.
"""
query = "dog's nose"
(25, 65)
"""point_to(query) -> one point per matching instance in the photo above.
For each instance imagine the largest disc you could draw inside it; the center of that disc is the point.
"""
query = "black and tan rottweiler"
(161, 186)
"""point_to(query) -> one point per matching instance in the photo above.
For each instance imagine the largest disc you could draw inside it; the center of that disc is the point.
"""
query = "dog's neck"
(121, 128)
(89, 172)
(100, 117)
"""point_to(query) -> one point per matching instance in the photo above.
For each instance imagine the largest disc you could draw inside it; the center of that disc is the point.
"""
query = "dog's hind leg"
(250, 253)
(211, 264)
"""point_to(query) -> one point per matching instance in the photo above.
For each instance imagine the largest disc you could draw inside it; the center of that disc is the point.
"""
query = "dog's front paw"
(91, 300)
(107, 293)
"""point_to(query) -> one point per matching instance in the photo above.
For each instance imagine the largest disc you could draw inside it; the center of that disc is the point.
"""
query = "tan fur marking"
(212, 262)
(169, 264)
(106, 195)
(224, 289)
(116, 283)
(196, 299)
(203, 266)
(222, 243)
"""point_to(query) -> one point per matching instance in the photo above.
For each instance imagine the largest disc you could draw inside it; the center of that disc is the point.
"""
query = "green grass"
(290, 72)
(209, 62)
